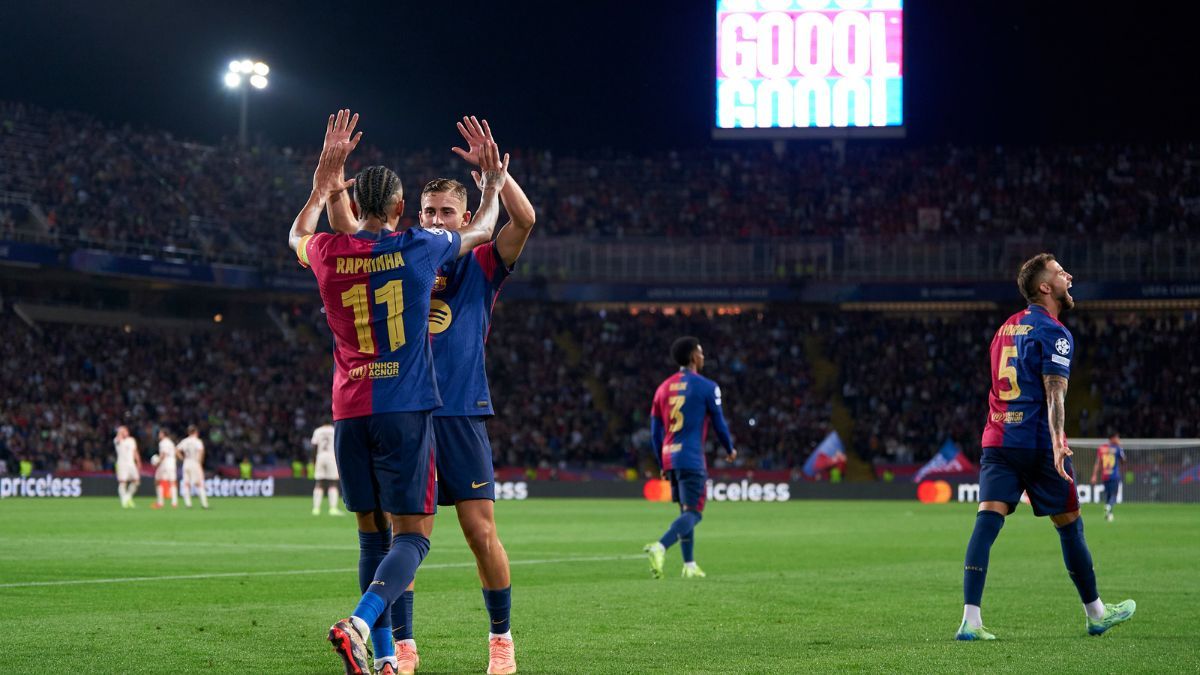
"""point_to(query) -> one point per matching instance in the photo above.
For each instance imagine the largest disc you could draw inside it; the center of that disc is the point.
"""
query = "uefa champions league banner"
(29, 254)
(102, 262)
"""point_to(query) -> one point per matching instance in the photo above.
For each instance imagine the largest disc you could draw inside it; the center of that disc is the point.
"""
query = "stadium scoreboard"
(809, 69)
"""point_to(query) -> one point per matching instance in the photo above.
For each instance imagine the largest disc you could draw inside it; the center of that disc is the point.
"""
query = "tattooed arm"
(1056, 409)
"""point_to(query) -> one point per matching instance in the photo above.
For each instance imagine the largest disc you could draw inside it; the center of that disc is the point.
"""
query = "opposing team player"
(325, 472)
(1025, 445)
(1110, 459)
(129, 466)
(683, 406)
(192, 449)
(375, 286)
(166, 476)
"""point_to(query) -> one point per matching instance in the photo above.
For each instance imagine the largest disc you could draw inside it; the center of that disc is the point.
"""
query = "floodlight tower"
(240, 74)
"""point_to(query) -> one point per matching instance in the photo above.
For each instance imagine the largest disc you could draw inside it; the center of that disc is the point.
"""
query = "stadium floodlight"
(242, 72)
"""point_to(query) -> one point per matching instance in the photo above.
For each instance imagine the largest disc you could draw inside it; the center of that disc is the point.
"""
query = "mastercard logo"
(933, 492)
(657, 490)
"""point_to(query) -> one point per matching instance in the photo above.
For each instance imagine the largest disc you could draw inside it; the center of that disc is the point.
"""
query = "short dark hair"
(682, 350)
(192, 429)
(438, 185)
(1030, 276)
(374, 187)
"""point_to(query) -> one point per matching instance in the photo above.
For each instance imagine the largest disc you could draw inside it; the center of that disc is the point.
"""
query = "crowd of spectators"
(115, 186)
(65, 389)
(572, 385)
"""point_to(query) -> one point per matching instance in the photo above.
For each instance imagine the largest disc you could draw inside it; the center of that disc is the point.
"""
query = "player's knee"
(1061, 520)
(480, 535)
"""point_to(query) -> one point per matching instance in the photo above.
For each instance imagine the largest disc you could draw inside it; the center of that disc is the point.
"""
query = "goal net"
(1155, 470)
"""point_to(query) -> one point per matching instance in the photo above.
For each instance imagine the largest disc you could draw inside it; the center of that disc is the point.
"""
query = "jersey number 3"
(676, 412)
(1008, 372)
(390, 294)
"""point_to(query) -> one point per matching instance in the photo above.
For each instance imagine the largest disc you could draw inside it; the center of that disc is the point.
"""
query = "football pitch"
(252, 586)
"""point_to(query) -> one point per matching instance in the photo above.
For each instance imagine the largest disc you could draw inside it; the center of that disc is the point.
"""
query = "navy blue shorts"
(689, 487)
(1005, 473)
(1112, 487)
(386, 461)
(464, 460)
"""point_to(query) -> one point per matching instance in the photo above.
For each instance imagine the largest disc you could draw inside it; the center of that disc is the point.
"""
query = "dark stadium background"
(624, 75)
(612, 139)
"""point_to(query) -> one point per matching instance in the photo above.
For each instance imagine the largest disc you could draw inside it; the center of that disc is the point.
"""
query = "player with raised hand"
(459, 322)
(375, 286)
(683, 405)
(1025, 445)
(128, 466)
(192, 449)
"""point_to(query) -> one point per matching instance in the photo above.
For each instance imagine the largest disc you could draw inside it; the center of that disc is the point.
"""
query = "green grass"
(801, 586)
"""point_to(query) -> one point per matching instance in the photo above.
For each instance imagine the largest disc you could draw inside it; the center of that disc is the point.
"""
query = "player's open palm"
(475, 133)
(340, 141)
(494, 168)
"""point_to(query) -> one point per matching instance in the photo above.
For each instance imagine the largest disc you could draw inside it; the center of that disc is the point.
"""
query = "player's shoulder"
(430, 234)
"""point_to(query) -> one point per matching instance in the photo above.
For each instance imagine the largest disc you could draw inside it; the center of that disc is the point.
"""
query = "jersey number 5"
(676, 412)
(390, 294)
(1008, 372)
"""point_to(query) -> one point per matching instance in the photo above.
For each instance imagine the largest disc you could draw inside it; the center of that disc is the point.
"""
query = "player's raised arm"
(1056, 408)
(511, 240)
(337, 209)
(328, 178)
(494, 172)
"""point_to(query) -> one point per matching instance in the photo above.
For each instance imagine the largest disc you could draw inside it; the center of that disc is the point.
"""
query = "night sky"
(578, 73)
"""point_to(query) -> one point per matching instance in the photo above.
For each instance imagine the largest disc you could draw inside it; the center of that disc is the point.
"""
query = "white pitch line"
(340, 570)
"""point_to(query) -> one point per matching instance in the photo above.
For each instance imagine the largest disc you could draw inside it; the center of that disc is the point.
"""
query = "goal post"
(1155, 470)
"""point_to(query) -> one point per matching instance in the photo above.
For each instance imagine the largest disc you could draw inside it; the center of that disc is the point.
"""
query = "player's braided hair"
(682, 350)
(375, 189)
(438, 185)
(1030, 276)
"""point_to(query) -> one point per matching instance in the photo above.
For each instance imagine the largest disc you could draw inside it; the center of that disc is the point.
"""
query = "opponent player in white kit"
(192, 449)
(129, 466)
(167, 476)
(325, 471)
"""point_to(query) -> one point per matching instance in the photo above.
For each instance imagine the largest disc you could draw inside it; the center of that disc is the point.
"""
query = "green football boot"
(965, 632)
(693, 572)
(1113, 615)
(656, 552)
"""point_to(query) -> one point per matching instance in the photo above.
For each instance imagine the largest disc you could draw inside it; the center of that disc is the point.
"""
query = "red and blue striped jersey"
(1110, 458)
(460, 316)
(1029, 345)
(683, 405)
(375, 287)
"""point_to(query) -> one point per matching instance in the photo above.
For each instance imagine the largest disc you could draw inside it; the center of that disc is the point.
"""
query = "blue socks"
(1079, 560)
(987, 528)
(686, 544)
(392, 577)
(372, 549)
(684, 524)
(402, 612)
(499, 604)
